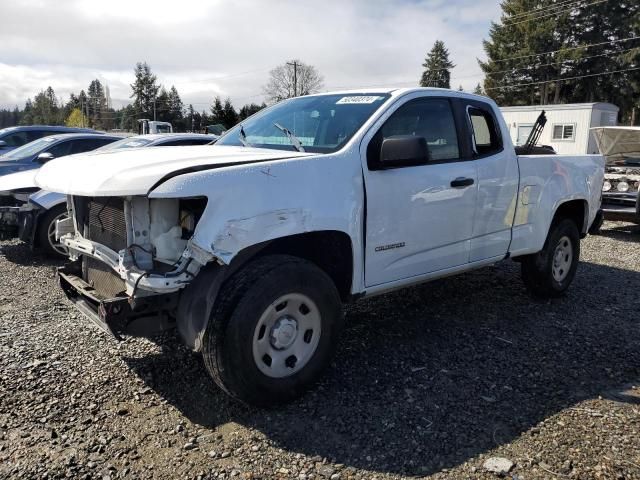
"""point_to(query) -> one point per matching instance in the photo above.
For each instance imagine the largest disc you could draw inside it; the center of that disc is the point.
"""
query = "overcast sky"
(214, 47)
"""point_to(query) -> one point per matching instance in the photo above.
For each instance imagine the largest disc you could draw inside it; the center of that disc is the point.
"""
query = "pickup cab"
(249, 247)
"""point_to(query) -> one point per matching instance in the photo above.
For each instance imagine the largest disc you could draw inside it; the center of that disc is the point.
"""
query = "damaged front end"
(131, 256)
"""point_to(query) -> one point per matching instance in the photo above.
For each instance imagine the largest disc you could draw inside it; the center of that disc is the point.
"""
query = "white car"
(32, 213)
(250, 246)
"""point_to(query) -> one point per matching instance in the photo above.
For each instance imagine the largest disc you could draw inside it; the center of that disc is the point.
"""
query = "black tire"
(538, 269)
(42, 232)
(228, 346)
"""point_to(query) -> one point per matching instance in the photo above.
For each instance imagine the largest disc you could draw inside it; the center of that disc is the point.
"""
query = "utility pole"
(154, 109)
(295, 77)
(81, 112)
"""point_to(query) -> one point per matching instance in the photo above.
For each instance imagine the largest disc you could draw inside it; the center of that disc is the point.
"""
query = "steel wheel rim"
(286, 335)
(51, 236)
(562, 259)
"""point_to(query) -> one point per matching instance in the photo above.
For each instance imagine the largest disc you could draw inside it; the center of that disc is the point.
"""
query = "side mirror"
(44, 157)
(3, 144)
(404, 150)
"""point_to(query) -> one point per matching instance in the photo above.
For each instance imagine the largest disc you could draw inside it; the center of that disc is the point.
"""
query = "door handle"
(461, 182)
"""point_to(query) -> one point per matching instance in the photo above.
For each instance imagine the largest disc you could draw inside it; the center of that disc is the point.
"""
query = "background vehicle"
(146, 126)
(250, 246)
(14, 137)
(621, 187)
(39, 211)
(161, 140)
(16, 187)
(34, 154)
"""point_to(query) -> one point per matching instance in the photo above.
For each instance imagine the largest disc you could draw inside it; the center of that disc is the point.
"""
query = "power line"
(536, 11)
(563, 79)
(621, 40)
(511, 24)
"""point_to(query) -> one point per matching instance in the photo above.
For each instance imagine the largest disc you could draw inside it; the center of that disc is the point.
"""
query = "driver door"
(419, 218)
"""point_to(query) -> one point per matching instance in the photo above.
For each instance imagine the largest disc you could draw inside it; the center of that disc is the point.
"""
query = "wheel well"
(330, 250)
(576, 210)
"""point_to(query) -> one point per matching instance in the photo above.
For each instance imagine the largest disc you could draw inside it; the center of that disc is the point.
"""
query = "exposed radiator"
(105, 224)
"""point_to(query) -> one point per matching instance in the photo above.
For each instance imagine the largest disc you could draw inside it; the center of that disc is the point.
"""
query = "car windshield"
(321, 123)
(28, 150)
(126, 143)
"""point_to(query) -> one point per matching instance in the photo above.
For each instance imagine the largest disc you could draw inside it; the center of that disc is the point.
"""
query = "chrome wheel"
(51, 236)
(562, 259)
(287, 335)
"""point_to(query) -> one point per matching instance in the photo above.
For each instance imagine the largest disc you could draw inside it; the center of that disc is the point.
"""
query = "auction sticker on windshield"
(358, 99)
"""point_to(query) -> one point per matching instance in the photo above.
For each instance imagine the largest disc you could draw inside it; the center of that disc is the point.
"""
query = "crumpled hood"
(137, 171)
(10, 166)
(18, 181)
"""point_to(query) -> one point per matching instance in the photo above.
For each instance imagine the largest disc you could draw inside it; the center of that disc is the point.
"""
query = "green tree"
(144, 89)
(76, 119)
(96, 104)
(217, 111)
(437, 67)
(478, 90)
(249, 109)
(553, 51)
(230, 116)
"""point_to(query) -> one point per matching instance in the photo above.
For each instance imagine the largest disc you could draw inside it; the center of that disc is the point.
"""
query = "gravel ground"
(430, 381)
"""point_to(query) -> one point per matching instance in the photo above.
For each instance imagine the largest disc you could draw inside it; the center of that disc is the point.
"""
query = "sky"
(227, 48)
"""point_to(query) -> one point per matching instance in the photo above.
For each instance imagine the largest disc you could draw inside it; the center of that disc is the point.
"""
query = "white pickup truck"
(250, 246)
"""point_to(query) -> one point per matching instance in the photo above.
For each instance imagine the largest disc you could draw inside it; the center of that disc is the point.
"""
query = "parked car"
(250, 246)
(16, 187)
(14, 137)
(36, 153)
(162, 140)
(39, 211)
(621, 187)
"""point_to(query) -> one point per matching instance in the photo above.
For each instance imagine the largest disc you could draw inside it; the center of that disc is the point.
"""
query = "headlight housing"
(622, 186)
(606, 186)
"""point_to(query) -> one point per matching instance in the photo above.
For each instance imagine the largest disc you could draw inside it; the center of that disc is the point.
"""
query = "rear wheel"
(273, 330)
(46, 233)
(549, 272)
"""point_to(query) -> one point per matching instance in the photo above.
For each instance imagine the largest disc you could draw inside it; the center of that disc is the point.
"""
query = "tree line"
(538, 52)
(554, 51)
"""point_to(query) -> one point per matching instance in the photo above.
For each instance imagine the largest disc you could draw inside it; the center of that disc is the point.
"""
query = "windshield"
(321, 123)
(29, 149)
(125, 143)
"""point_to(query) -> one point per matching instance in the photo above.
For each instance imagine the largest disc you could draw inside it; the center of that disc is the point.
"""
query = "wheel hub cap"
(284, 333)
(562, 259)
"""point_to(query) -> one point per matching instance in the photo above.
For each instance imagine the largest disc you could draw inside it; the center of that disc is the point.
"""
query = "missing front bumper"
(120, 315)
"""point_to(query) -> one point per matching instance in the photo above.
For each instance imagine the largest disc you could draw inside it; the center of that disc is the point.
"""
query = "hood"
(137, 171)
(18, 181)
(11, 166)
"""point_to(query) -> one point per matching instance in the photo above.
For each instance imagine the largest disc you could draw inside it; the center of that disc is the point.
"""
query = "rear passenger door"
(497, 183)
(419, 218)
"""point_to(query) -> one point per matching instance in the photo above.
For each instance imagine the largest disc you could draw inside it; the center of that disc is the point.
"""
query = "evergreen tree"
(97, 104)
(217, 112)
(478, 90)
(248, 110)
(518, 71)
(230, 117)
(176, 110)
(437, 67)
(144, 89)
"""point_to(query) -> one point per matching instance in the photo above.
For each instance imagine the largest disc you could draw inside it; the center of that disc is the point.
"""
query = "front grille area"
(105, 222)
(102, 277)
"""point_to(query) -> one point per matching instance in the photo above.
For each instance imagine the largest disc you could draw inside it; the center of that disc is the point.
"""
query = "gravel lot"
(430, 381)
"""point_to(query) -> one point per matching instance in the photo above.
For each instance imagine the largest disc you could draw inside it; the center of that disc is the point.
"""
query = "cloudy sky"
(214, 47)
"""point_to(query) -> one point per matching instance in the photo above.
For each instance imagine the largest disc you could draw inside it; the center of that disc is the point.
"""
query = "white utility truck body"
(378, 189)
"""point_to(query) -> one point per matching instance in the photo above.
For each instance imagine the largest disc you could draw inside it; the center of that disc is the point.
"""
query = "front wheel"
(273, 330)
(549, 272)
(46, 233)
